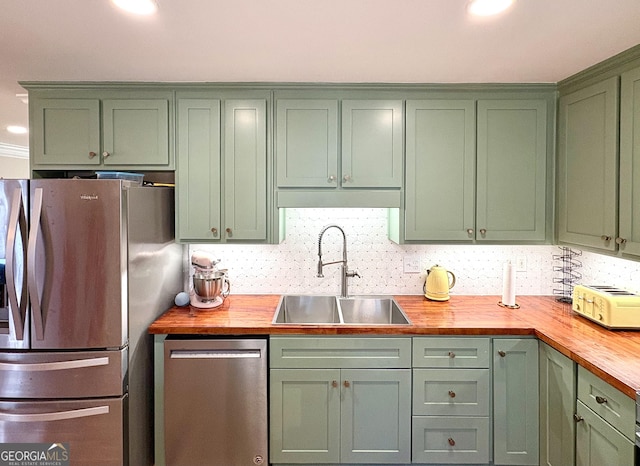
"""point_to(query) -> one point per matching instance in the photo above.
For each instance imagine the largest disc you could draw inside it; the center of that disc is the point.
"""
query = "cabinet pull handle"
(229, 232)
(334, 383)
(331, 179)
(92, 154)
(106, 154)
(452, 354)
(502, 353)
(214, 230)
(346, 178)
(470, 231)
(600, 399)
(577, 417)
(451, 441)
(452, 394)
(483, 231)
(620, 240)
(605, 238)
(346, 384)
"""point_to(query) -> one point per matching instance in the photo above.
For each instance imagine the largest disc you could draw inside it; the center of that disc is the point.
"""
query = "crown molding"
(10, 150)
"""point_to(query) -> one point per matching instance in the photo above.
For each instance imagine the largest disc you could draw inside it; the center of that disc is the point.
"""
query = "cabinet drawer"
(441, 440)
(450, 352)
(451, 392)
(313, 353)
(609, 403)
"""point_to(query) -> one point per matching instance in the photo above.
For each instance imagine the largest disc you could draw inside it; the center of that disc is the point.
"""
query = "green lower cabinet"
(557, 406)
(450, 440)
(598, 443)
(340, 416)
(515, 401)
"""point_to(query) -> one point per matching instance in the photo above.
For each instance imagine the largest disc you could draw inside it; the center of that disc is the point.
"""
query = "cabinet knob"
(502, 353)
(601, 399)
(229, 232)
(483, 231)
(106, 154)
(452, 394)
(452, 354)
(331, 179)
(620, 240)
(334, 383)
(577, 417)
(346, 384)
(470, 231)
(605, 238)
(451, 441)
(346, 178)
(92, 155)
(214, 230)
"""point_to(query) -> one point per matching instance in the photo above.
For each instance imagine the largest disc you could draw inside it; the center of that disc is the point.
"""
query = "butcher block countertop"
(612, 355)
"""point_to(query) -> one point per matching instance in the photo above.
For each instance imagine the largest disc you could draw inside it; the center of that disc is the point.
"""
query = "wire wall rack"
(567, 267)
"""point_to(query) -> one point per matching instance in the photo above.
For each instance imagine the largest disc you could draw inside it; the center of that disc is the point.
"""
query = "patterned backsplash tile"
(291, 267)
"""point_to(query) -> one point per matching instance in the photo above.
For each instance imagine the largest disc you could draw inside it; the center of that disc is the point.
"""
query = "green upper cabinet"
(587, 165)
(307, 143)
(123, 132)
(221, 191)
(476, 176)
(511, 170)
(629, 234)
(314, 151)
(440, 178)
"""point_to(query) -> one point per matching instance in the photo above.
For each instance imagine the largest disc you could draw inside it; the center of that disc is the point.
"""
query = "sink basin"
(329, 310)
(372, 311)
(307, 310)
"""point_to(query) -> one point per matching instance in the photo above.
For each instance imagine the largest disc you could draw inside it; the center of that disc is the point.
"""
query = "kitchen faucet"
(344, 271)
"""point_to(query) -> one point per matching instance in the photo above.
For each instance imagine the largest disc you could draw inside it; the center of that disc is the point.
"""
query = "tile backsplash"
(291, 267)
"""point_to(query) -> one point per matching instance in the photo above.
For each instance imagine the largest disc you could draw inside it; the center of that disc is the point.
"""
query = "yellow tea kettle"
(438, 284)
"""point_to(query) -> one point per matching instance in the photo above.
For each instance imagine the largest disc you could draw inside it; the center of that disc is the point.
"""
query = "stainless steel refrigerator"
(85, 267)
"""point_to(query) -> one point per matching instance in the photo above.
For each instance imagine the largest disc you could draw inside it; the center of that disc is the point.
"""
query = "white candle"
(508, 285)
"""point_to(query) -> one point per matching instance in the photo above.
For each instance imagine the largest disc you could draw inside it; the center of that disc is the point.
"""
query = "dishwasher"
(215, 401)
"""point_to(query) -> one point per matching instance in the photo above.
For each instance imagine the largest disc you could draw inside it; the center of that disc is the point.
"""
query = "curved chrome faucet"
(345, 273)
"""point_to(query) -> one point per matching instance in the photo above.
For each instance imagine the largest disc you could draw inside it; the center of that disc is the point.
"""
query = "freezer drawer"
(77, 374)
(93, 429)
(215, 402)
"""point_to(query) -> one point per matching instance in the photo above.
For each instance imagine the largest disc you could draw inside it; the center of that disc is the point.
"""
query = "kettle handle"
(453, 279)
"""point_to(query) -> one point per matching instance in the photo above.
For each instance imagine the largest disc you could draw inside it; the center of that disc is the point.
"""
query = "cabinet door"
(630, 163)
(372, 144)
(136, 132)
(307, 143)
(511, 179)
(587, 165)
(304, 416)
(440, 175)
(376, 416)
(557, 405)
(198, 170)
(515, 401)
(245, 170)
(597, 443)
(65, 131)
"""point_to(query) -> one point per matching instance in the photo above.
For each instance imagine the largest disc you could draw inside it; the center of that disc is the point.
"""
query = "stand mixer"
(210, 284)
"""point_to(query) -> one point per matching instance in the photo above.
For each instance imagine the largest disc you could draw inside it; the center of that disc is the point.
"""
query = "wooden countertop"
(612, 355)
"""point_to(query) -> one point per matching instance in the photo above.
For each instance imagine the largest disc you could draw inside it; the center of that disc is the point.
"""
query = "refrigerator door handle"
(17, 219)
(54, 416)
(54, 366)
(36, 305)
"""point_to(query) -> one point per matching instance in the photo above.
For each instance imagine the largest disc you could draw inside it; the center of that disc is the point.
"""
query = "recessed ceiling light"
(488, 7)
(17, 129)
(138, 7)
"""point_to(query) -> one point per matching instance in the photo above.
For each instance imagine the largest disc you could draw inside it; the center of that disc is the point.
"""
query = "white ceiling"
(428, 41)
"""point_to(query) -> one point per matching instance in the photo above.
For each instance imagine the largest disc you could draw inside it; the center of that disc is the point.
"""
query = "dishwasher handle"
(215, 354)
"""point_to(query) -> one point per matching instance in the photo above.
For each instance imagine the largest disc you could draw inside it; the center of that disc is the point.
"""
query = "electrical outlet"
(521, 264)
(411, 263)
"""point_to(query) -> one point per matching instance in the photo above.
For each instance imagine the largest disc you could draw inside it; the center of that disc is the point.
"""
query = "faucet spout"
(345, 273)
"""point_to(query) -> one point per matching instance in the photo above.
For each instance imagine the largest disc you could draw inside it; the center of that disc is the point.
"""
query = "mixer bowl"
(211, 285)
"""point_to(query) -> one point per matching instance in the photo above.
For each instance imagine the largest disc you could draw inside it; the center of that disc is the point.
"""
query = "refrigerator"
(85, 266)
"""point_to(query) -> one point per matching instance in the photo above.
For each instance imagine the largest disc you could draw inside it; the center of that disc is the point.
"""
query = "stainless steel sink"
(329, 310)
(372, 311)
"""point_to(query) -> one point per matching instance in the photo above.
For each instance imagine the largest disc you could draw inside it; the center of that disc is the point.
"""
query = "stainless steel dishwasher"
(215, 402)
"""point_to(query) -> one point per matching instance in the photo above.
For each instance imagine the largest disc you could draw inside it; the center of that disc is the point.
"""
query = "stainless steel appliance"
(210, 284)
(88, 265)
(215, 402)
(608, 306)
